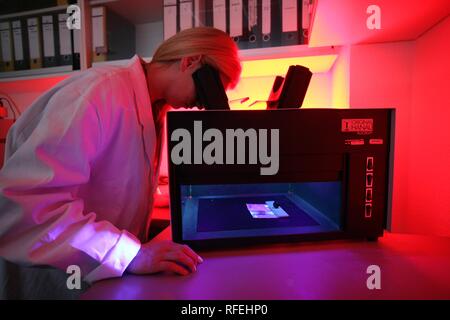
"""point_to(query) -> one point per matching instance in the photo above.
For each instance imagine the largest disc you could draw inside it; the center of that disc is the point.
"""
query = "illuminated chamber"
(222, 210)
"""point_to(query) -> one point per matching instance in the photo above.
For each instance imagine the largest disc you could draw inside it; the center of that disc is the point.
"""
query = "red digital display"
(357, 125)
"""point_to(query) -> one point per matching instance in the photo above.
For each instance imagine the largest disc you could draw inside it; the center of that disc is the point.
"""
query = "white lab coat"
(76, 187)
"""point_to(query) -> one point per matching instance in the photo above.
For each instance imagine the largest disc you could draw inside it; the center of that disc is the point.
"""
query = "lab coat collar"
(144, 108)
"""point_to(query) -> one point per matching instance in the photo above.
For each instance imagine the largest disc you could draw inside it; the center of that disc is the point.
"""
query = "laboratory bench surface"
(411, 267)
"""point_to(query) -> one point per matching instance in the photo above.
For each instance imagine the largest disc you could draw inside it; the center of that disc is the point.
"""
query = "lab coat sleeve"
(42, 219)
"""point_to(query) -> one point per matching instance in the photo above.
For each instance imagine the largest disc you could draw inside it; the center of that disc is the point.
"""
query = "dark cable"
(10, 107)
(13, 104)
(10, 102)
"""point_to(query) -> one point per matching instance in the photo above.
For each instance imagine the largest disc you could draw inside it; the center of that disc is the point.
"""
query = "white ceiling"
(338, 22)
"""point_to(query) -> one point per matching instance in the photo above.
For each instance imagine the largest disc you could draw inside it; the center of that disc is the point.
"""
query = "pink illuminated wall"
(340, 79)
(339, 22)
(24, 92)
(429, 134)
(381, 76)
(413, 77)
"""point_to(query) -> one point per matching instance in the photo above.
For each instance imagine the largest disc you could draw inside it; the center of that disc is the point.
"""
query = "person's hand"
(158, 256)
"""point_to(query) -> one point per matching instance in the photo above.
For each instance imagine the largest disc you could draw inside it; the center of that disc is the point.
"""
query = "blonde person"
(81, 163)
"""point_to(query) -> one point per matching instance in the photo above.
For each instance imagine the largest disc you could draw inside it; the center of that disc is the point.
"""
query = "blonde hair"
(215, 46)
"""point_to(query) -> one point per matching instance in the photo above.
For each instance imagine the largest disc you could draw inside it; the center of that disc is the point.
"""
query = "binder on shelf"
(49, 37)
(253, 24)
(209, 13)
(236, 24)
(305, 20)
(266, 22)
(76, 36)
(186, 14)
(243, 41)
(220, 14)
(270, 14)
(99, 41)
(170, 18)
(291, 14)
(199, 13)
(34, 42)
(7, 54)
(65, 41)
(20, 40)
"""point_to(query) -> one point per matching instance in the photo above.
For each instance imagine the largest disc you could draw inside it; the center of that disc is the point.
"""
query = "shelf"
(279, 66)
(318, 60)
(122, 62)
(284, 52)
(35, 73)
(32, 12)
(272, 61)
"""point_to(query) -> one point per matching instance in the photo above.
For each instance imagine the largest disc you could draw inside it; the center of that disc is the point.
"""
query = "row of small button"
(369, 187)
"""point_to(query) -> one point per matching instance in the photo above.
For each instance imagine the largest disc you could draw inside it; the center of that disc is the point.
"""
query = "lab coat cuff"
(118, 258)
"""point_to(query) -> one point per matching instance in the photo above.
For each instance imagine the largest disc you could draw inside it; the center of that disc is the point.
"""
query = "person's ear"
(191, 63)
